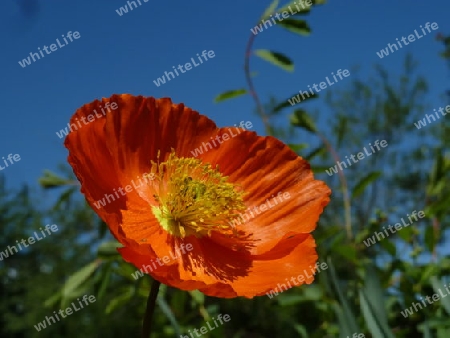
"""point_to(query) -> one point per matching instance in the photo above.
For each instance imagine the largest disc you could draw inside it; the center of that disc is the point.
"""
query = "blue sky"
(124, 54)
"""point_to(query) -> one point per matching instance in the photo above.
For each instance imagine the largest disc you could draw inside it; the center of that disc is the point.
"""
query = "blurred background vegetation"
(364, 289)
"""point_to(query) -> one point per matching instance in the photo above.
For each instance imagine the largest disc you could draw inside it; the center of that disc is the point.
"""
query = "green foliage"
(301, 119)
(270, 10)
(364, 182)
(50, 180)
(276, 59)
(296, 26)
(365, 289)
(229, 95)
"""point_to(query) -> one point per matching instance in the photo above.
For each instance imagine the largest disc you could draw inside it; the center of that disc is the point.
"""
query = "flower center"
(194, 198)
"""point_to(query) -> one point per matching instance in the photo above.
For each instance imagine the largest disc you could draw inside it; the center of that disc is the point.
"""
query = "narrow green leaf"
(127, 270)
(430, 238)
(229, 95)
(301, 119)
(364, 182)
(75, 293)
(427, 272)
(440, 206)
(313, 292)
(289, 299)
(346, 316)
(108, 249)
(372, 321)
(296, 26)
(270, 10)
(198, 297)
(281, 106)
(438, 168)
(293, 10)
(104, 281)
(315, 152)
(165, 308)
(50, 180)
(389, 247)
(78, 278)
(375, 293)
(299, 9)
(437, 286)
(425, 328)
(345, 329)
(286, 103)
(64, 198)
(341, 129)
(443, 332)
(122, 299)
(437, 188)
(317, 169)
(276, 59)
(298, 147)
(50, 302)
(301, 330)
(373, 306)
(347, 252)
(437, 322)
(407, 234)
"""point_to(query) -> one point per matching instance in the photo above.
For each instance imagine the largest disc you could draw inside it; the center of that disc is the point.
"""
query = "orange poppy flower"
(220, 210)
